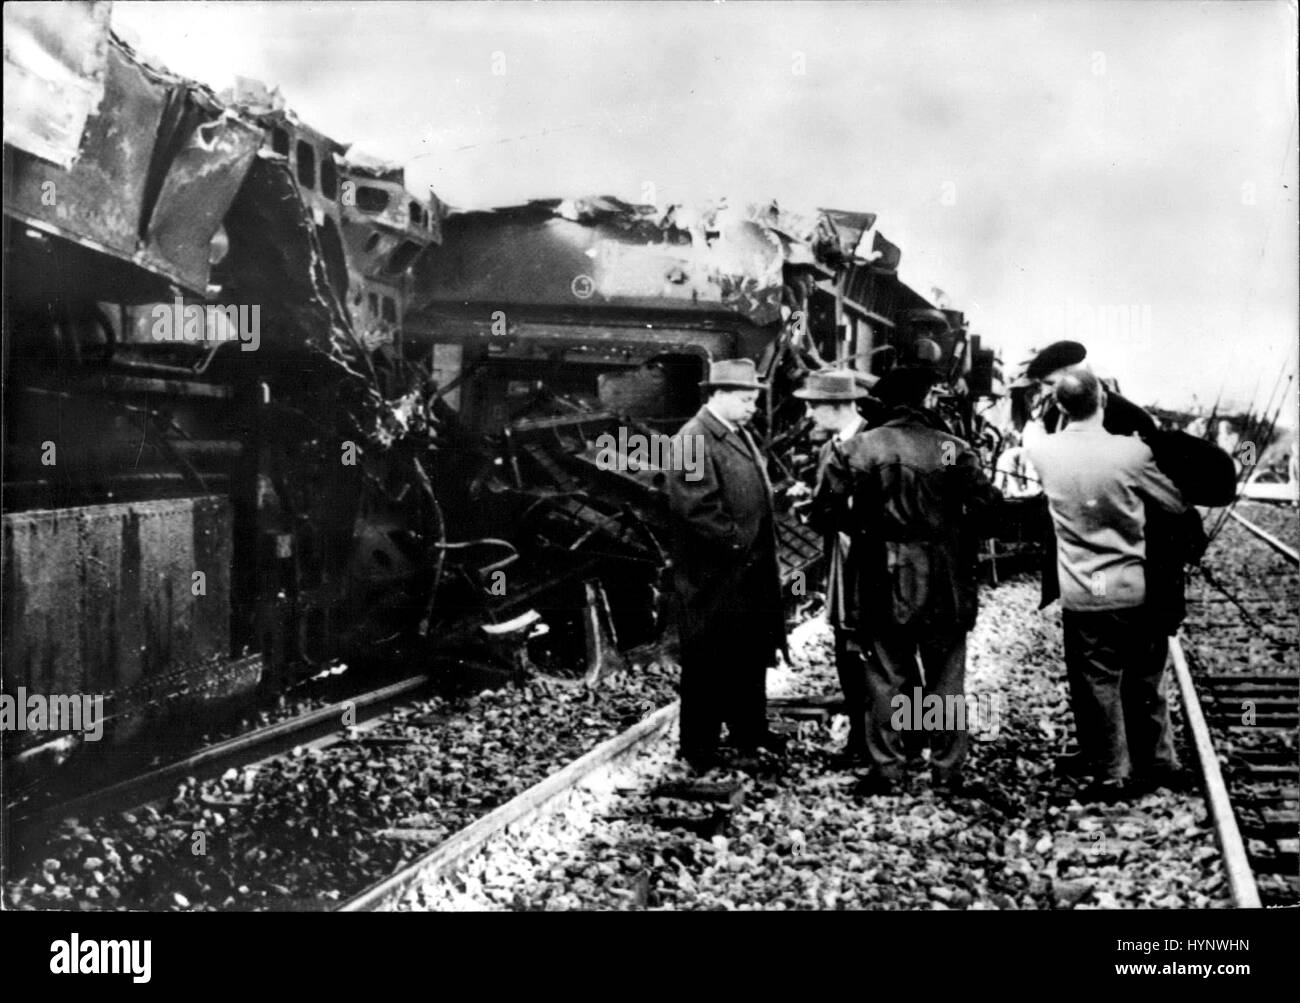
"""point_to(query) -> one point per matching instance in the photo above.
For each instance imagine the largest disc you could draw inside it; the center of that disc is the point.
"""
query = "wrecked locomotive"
(212, 444)
(188, 520)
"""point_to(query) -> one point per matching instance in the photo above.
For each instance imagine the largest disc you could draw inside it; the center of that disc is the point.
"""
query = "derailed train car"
(570, 337)
(209, 434)
(266, 408)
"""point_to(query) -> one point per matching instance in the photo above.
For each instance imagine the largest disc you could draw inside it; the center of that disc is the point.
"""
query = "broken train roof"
(602, 251)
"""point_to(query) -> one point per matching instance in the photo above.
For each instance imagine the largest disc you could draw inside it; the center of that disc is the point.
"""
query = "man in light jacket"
(1097, 485)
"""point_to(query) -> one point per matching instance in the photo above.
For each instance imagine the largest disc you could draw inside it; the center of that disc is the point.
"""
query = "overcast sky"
(1038, 161)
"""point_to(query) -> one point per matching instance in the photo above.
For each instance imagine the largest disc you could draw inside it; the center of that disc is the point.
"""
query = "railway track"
(318, 728)
(429, 852)
(621, 828)
(302, 815)
(1242, 691)
(518, 811)
(525, 809)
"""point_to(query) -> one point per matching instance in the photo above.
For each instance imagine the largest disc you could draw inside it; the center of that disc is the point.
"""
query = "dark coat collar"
(903, 415)
(720, 431)
(712, 422)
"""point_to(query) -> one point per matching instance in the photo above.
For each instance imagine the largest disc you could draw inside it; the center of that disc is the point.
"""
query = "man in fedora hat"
(912, 498)
(726, 573)
(832, 400)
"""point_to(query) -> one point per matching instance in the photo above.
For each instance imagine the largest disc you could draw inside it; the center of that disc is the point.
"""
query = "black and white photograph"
(616, 457)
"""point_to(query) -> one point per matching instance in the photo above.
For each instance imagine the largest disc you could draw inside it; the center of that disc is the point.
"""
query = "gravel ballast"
(800, 840)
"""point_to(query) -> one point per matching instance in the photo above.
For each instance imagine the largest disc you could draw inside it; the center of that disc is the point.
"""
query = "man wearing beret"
(913, 498)
(1122, 416)
(728, 581)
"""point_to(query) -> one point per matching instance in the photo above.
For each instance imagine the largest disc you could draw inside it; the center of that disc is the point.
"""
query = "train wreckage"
(191, 519)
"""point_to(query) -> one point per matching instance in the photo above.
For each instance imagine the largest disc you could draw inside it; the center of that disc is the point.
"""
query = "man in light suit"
(1098, 487)
(732, 619)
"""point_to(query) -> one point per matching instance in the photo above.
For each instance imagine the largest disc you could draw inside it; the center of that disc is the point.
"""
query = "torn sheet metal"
(159, 164)
(55, 57)
(277, 260)
(603, 252)
(599, 252)
(847, 230)
(385, 226)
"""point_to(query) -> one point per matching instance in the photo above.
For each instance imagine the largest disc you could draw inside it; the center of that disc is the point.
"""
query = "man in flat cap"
(727, 576)
(832, 400)
(915, 500)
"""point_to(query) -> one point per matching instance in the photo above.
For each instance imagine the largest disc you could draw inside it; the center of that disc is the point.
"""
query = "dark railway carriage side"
(179, 526)
(119, 454)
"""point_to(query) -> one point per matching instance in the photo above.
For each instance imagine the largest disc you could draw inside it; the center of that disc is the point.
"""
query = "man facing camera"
(732, 619)
(1097, 485)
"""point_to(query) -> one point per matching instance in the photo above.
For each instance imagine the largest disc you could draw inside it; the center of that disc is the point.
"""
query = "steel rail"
(1288, 552)
(1241, 879)
(232, 749)
(518, 809)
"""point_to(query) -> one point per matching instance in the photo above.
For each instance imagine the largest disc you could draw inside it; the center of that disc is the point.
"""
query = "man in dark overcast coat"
(728, 581)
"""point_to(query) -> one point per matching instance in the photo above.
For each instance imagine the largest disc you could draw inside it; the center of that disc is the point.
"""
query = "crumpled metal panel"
(375, 328)
(100, 599)
(54, 75)
(848, 228)
(602, 251)
(158, 166)
(197, 191)
(276, 260)
(384, 242)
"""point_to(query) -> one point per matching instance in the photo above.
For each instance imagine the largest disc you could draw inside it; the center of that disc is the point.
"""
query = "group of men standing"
(903, 505)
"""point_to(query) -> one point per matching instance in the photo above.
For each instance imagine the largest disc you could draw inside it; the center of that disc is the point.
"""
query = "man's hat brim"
(821, 398)
(730, 385)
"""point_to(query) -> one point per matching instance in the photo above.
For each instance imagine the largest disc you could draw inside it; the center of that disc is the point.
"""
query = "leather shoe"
(852, 756)
(1075, 764)
(700, 762)
(875, 784)
(1171, 778)
(1104, 792)
(974, 790)
(774, 743)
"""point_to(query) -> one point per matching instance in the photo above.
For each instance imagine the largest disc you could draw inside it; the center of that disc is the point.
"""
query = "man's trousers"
(724, 680)
(893, 673)
(1115, 665)
(851, 666)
